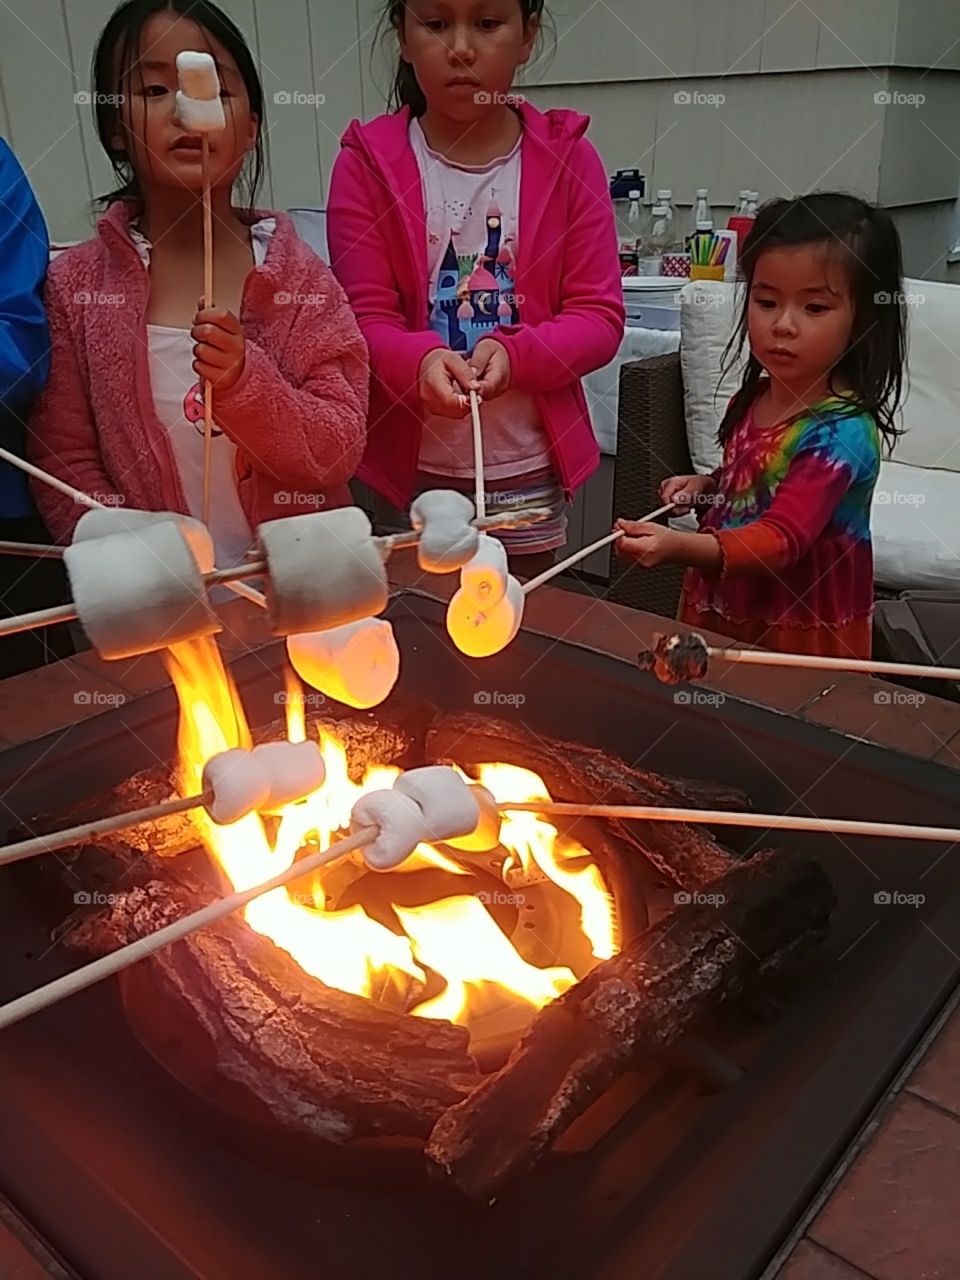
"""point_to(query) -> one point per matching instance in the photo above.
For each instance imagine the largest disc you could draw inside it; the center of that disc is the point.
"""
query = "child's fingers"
(220, 317)
(211, 335)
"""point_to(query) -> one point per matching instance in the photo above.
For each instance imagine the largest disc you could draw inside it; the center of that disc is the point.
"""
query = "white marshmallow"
(484, 579)
(486, 834)
(325, 570)
(448, 539)
(197, 75)
(448, 804)
(199, 106)
(399, 821)
(357, 664)
(240, 785)
(139, 591)
(294, 771)
(199, 116)
(482, 632)
(101, 521)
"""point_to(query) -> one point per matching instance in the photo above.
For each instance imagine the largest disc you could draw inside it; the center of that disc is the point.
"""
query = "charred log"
(321, 1061)
(771, 910)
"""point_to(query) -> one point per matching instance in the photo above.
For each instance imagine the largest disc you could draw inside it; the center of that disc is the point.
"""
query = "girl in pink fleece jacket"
(475, 238)
(122, 415)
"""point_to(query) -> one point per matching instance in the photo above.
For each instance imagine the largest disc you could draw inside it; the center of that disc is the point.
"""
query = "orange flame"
(455, 937)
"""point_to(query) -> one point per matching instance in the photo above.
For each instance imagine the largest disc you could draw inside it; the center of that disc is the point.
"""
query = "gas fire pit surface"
(121, 1172)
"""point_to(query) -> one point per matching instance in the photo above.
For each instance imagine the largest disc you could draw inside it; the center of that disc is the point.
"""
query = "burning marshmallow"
(325, 570)
(480, 631)
(357, 664)
(426, 806)
(199, 106)
(484, 579)
(486, 834)
(261, 780)
(140, 590)
(448, 539)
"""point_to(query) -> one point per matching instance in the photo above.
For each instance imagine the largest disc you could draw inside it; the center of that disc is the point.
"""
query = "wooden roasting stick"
(727, 818)
(235, 576)
(207, 302)
(632, 812)
(588, 551)
(481, 483)
(866, 666)
(109, 965)
(86, 832)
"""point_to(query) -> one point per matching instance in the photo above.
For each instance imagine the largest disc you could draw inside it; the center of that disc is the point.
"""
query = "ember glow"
(453, 945)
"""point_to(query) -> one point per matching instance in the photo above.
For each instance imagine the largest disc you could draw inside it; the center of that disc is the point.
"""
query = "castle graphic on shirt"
(476, 290)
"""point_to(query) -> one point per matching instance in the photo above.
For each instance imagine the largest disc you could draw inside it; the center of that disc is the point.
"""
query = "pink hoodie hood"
(567, 271)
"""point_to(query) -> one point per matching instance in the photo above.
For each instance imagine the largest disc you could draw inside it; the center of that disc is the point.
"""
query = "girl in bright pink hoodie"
(122, 415)
(475, 238)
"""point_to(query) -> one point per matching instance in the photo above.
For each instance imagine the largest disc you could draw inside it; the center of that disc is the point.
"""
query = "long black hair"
(405, 90)
(114, 61)
(863, 237)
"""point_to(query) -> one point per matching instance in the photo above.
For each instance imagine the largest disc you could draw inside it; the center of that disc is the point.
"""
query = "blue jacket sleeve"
(24, 252)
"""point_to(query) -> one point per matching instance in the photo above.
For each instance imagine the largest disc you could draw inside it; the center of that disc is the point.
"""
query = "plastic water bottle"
(665, 198)
(703, 217)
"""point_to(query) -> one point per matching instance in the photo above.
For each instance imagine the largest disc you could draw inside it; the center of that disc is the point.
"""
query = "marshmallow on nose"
(263, 780)
(480, 631)
(325, 570)
(357, 664)
(199, 107)
(484, 579)
(448, 539)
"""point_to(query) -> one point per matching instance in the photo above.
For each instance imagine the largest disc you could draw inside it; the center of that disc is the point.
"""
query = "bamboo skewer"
(481, 489)
(249, 569)
(109, 965)
(207, 302)
(866, 666)
(726, 818)
(39, 474)
(31, 550)
(582, 554)
(101, 827)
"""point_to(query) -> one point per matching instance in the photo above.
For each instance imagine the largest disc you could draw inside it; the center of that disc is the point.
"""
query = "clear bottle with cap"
(665, 198)
(753, 204)
(703, 214)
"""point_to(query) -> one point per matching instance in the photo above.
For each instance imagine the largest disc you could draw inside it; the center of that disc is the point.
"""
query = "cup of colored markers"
(709, 253)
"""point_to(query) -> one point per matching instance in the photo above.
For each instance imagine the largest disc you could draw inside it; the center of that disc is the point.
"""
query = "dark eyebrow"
(816, 288)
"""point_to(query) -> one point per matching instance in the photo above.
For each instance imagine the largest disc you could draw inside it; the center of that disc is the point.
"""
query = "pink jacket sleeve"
(360, 256)
(587, 333)
(62, 438)
(311, 433)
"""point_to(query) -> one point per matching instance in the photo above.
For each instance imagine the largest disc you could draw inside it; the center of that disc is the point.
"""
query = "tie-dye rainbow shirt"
(793, 520)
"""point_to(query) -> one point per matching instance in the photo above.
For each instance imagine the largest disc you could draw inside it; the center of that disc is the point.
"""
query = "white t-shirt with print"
(473, 217)
(178, 402)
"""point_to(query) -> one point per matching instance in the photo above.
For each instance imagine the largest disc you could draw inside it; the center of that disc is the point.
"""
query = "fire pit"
(124, 1172)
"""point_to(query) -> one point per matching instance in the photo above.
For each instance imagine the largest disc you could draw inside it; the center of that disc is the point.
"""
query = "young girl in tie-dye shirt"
(783, 557)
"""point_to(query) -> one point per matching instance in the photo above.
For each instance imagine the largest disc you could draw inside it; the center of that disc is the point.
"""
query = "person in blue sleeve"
(24, 363)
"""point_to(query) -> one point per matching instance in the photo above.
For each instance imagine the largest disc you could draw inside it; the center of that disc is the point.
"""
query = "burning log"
(689, 856)
(323, 1062)
(771, 910)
